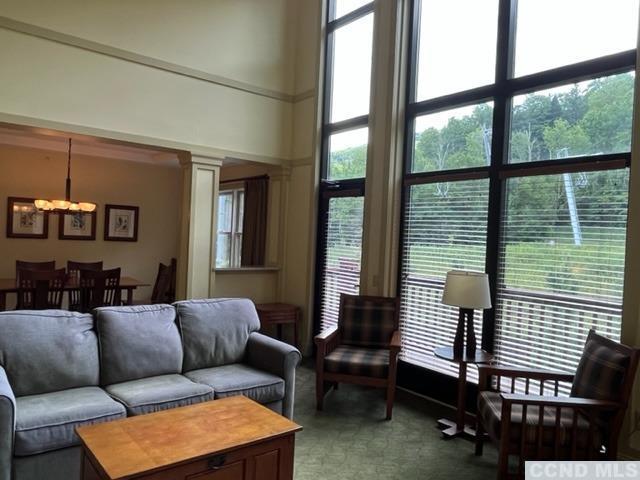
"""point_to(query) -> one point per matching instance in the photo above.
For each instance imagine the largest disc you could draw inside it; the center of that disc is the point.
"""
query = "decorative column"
(198, 226)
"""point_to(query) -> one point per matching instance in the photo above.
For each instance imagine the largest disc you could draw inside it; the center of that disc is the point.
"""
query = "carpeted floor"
(350, 440)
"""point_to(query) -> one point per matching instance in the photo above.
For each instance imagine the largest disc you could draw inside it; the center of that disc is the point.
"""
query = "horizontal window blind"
(445, 229)
(561, 266)
(341, 273)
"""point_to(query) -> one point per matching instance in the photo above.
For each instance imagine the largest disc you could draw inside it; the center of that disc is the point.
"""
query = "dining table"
(127, 284)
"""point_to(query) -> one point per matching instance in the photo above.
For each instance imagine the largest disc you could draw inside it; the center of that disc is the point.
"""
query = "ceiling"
(52, 140)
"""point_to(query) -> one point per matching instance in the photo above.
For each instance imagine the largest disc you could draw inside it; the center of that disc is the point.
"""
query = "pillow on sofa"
(48, 350)
(215, 332)
(137, 342)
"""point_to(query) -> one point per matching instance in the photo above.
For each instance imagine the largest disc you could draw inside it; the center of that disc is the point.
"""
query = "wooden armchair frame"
(330, 339)
(587, 409)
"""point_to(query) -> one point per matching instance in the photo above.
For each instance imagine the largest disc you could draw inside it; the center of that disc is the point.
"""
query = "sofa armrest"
(275, 357)
(7, 425)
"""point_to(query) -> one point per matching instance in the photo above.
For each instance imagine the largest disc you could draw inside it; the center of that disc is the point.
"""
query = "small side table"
(280, 314)
(458, 427)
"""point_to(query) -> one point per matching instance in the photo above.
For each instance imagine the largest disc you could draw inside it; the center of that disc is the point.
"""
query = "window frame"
(501, 93)
(235, 234)
(333, 188)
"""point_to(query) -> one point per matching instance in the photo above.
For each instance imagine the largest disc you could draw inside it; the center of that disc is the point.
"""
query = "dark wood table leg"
(295, 329)
(3, 301)
(450, 428)
(279, 326)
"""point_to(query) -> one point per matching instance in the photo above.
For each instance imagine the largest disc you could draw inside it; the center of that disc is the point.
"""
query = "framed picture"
(121, 223)
(77, 226)
(24, 220)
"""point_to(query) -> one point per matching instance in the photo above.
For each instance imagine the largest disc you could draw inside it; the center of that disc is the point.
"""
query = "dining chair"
(164, 289)
(99, 288)
(39, 266)
(41, 289)
(73, 271)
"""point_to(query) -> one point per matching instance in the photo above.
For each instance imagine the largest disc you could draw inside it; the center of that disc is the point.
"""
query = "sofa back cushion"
(137, 342)
(48, 350)
(215, 332)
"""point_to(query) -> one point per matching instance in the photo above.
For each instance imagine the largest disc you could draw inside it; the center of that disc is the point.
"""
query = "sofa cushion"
(153, 394)
(238, 379)
(48, 421)
(367, 321)
(600, 373)
(137, 342)
(367, 362)
(215, 332)
(48, 350)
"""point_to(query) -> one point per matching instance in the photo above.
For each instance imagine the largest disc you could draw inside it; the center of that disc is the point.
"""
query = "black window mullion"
(505, 55)
(349, 124)
(357, 14)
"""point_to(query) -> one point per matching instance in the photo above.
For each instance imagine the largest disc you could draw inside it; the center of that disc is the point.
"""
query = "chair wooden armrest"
(326, 335)
(327, 341)
(485, 372)
(396, 342)
(564, 402)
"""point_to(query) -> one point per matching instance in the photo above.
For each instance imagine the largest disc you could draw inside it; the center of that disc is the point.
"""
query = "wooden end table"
(228, 439)
(458, 427)
(280, 314)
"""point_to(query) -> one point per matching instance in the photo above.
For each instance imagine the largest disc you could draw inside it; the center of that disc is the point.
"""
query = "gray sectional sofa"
(60, 369)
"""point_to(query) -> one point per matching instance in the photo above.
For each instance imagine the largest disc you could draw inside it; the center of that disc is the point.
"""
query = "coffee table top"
(147, 443)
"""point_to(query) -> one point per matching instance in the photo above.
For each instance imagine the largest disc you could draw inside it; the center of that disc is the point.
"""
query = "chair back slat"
(99, 288)
(38, 266)
(368, 321)
(41, 289)
(164, 289)
(73, 270)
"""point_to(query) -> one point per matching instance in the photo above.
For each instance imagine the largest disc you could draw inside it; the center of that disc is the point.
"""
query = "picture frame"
(121, 223)
(24, 220)
(77, 226)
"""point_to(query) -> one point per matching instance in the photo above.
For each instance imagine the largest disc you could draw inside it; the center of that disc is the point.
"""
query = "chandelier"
(66, 205)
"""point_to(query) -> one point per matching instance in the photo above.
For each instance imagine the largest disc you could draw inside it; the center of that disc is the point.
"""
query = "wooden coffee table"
(228, 439)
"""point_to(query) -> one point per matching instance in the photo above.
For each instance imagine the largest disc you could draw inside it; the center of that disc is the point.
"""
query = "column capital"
(187, 159)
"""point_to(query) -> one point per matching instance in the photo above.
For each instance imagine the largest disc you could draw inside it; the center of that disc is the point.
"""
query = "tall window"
(229, 239)
(517, 154)
(345, 136)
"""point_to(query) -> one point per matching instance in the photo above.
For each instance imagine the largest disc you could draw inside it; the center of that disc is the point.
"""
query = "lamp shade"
(467, 290)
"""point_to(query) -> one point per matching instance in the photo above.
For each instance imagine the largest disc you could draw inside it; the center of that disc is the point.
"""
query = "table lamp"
(468, 291)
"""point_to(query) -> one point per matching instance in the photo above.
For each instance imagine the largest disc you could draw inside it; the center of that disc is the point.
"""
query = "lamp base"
(458, 342)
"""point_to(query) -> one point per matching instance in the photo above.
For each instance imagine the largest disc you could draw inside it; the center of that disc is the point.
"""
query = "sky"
(457, 48)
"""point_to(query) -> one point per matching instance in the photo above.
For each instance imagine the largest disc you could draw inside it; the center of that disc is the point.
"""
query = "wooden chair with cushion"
(362, 349)
(99, 288)
(38, 266)
(73, 271)
(164, 289)
(41, 289)
(583, 426)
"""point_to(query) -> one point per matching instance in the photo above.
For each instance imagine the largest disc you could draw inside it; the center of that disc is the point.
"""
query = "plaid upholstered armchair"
(362, 349)
(583, 426)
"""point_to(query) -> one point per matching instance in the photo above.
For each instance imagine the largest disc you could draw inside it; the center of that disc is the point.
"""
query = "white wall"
(207, 76)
